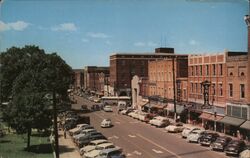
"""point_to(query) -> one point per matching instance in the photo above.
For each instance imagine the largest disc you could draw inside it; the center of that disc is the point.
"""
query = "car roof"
(105, 144)
(99, 141)
(110, 150)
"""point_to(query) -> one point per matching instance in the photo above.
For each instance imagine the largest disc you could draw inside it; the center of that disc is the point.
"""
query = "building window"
(207, 70)
(231, 74)
(123, 62)
(213, 89)
(242, 74)
(192, 87)
(230, 90)
(192, 71)
(221, 69)
(214, 69)
(201, 70)
(221, 89)
(200, 88)
(196, 71)
(242, 91)
(196, 88)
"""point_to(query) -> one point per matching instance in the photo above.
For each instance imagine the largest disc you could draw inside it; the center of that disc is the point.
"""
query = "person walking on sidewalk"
(64, 133)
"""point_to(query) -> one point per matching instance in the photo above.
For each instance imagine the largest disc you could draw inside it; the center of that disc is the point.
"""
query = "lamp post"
(206, 84)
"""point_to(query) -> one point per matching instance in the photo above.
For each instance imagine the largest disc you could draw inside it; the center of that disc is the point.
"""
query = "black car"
(208, 138)
(235, 147)
(220, 143)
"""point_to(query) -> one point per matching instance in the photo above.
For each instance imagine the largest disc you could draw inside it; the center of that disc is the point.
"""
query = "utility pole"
(173, 65)
(55, 125)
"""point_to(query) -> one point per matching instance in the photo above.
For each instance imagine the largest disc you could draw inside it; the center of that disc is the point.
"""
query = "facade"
(94, 79)
(207, 70)
(78, 79)
(124, 66)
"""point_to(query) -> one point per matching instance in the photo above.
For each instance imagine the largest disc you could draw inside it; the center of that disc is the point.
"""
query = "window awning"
(232, 121)
(246, 125)
(210, 117)
(179, 108)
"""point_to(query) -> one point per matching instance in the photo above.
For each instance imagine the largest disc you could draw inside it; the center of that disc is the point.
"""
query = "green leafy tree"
(28, 75)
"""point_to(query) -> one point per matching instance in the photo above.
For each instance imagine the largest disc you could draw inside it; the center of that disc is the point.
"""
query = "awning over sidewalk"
(246, 125)
(211, 117)
(232, 121)
(179, 108)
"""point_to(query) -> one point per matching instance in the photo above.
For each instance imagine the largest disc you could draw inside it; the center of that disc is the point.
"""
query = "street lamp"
(206, 84)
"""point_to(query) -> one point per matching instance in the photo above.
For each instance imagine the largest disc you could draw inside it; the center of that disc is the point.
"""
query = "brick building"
(94, 80)
(78, 79)
(124, 66)
(210, 68)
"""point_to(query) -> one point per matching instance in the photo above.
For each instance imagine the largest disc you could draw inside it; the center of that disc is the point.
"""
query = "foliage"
(28, 75)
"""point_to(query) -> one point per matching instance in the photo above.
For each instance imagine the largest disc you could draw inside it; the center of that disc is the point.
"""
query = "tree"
(27, 76)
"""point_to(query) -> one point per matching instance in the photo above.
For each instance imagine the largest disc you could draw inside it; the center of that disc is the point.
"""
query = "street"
(138, 139)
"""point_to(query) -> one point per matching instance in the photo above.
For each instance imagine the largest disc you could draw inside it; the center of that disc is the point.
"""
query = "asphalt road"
(138, 139)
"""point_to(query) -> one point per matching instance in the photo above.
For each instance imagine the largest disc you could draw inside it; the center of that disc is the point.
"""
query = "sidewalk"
(67, 148)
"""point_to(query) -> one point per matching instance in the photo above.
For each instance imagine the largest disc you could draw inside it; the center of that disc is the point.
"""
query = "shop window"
(244, 112)
(221, 89)
(201, 70)
(214, 70)
(221, 69)
(230, 90)
(207, 70)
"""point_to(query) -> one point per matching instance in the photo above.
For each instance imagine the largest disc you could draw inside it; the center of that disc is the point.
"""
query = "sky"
(87, 32)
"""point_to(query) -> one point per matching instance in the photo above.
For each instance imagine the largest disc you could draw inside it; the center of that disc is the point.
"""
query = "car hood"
(92, 153)
(88, 148)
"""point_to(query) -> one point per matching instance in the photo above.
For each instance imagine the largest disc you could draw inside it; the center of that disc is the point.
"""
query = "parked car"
(174, 128)
(245, 153)
(78, 126)
(208, 138)
(92, 145)
(145, 117)
(195, 135)
(82, 141)
(94, 153)
(95, 107)
(127, 111)
(220, 143)
(79, 130)
(111, 153)
(187, 130)
(235, 147)
(106, 123)
(133, 113)
(159, 121)
(83, 133)
(108, 108)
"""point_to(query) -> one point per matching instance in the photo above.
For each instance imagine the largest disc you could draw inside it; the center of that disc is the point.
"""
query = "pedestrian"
(64, 133)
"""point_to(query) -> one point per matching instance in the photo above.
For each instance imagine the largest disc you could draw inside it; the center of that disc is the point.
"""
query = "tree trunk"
(28, 142)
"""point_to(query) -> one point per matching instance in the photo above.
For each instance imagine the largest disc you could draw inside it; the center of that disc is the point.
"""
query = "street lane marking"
(150, 141)
(132, 136)
(116, 137)
(113, 137)
(118, 122)
(129, 155)
(157, 151)
(137, 152)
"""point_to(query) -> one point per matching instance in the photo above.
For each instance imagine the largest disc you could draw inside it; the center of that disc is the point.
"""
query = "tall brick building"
(78, 79)
(124, 66)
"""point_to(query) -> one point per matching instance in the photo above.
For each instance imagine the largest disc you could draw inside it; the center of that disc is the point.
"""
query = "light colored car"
(97, 100)
(78, 131)
(136, 114)
(187, 130)
(107, 108)
(83, 133)
(159, 121)
(94, 153)
(111, 153)
(133, 113)
(174, 128)
(92, 145)
(106, 123)
(77, 128)
(195, 135)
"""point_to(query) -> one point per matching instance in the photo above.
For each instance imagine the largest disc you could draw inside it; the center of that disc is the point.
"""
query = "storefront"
(211, 122)
(231, 125)
(245, 127)
(180, 111)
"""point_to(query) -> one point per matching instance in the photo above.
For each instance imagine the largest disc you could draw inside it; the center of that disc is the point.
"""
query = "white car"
(159, 121)
(106, 123)
(194, 135)
(174, 128)
(92, 145)
(94, 153)
(134, 112)
(77, 128)
(187, 130)
(107, 108)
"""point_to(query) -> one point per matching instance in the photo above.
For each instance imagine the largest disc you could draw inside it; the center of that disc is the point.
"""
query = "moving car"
(92, 145)
(106, 123)
(220, 143)
(187, 130)
(111, 153)
(174, 128)
(208, 138)
(159, 121)
(107, 108)
(235, 147)
(195, 135)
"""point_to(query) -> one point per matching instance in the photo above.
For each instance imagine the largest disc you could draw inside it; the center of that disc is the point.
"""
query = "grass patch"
(13, 146)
